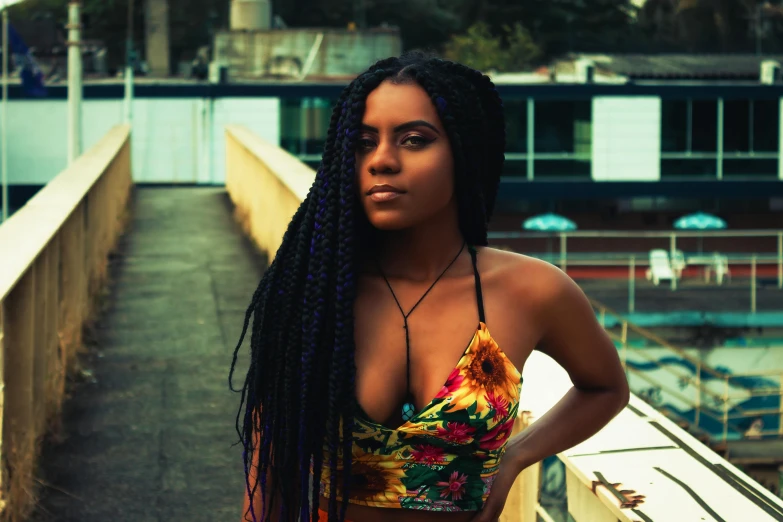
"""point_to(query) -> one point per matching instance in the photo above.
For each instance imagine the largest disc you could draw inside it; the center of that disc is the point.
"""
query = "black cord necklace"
(408, 408)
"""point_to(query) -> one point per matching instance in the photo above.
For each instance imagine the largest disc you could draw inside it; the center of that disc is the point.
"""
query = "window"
(704, 125)
(750, 138)
(737, 122)
(766, 126)
(563, 139)
(563, 127)
(290, 124)
(675, 126)
(304, 123)
(515, 112)
(516, 125)
(689, 138)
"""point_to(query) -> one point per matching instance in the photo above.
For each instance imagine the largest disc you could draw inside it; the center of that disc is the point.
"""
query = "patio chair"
(720, 265)
(660, 268)
(678, 263)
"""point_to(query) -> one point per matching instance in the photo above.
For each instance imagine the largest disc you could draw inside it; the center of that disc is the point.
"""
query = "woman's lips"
(382, 196)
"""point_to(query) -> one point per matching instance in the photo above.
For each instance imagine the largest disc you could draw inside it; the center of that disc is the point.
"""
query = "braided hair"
(297, 402)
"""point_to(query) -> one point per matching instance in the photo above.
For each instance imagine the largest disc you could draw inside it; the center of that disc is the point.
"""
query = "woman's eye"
(365, 143)
(416, 141)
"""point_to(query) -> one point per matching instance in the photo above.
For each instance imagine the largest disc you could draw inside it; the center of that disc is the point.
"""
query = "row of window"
(562, 136)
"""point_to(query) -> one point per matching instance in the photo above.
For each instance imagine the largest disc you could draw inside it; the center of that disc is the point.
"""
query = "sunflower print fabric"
(446, 457)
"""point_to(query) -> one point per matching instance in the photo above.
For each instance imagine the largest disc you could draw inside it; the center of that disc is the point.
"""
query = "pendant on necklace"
(408, 411)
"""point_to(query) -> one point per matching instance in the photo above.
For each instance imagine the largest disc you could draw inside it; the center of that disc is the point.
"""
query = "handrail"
(55, 262)
(702, 387)
(636, 233)
(655, 338)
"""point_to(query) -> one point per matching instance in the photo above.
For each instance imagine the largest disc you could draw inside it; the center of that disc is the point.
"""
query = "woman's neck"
(420, 253)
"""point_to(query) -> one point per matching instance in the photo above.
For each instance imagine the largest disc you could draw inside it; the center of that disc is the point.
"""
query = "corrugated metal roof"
(681, 66)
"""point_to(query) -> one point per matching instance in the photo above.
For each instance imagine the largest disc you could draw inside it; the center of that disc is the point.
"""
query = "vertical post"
(780, 259)
(726, 408)
(4, 146)
(74, 81)
(780, 407)
(632, 285)
(19, 343)
(563, 252)
(697, 405)
(624, 340)
(719, 145)
(753, 284)
(672, 248)
(531, 138)
(129, 63)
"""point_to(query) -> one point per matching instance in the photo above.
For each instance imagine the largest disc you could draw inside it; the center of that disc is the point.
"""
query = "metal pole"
(4, 146)
(74, 81)
(672, 248)
(129, 62)
(531, 138)
(753, 284)
(563, 253)
(719, 155)
(780, 259)
(632, 285)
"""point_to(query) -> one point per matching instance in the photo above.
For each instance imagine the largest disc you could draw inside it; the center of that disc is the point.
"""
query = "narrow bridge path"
(148, 433)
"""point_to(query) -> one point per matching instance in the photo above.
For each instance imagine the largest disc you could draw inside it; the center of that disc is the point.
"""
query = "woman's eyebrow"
(404, 126)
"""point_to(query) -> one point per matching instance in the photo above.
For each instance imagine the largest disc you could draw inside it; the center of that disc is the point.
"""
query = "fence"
(53, 263)
(712, 396)
(608, 256)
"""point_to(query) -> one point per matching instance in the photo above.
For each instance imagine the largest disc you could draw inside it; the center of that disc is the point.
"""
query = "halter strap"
(479, 295)
(409, 408)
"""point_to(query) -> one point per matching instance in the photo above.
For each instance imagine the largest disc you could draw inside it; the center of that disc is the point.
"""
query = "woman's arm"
(572, 336)
(259, 503)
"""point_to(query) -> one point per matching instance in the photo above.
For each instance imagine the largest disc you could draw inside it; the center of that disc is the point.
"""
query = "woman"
(379, 282)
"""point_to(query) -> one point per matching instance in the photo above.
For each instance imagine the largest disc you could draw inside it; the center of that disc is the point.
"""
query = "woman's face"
(404, 165)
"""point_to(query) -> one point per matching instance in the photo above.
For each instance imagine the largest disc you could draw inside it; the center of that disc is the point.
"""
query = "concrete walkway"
(148, 435)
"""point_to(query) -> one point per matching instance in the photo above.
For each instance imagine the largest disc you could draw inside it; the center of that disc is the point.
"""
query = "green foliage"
(515, 50)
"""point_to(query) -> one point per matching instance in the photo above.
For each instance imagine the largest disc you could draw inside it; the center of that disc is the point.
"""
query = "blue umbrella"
(700, 221)
(549, 223)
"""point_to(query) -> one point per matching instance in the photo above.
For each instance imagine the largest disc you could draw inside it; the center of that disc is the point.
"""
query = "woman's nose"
(384, 160)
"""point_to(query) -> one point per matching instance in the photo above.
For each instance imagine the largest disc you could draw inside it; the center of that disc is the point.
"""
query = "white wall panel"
(37, 141)
(260, 115)
(626, 138)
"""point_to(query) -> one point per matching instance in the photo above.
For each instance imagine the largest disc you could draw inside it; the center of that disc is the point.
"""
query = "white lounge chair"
(660, 269)
(720, 265)
(678, 263)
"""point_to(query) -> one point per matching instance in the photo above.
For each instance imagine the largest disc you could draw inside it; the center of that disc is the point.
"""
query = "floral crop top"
(446, 457)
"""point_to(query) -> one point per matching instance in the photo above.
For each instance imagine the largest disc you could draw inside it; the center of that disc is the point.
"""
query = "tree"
(714, 25)
(191, 23)
(480, 49)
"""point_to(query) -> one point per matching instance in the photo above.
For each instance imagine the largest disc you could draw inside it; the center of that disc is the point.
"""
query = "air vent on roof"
(585, 71)
(770, 72)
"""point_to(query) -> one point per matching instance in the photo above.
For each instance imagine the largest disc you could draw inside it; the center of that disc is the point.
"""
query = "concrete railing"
(641, 466)
(266, 184)
(53, 262)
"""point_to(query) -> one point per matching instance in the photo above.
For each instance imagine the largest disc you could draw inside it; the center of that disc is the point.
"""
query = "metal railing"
(708, 391)
(670, 239)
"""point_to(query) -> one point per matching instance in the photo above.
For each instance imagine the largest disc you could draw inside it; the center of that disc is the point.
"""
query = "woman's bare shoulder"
(519, 272)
